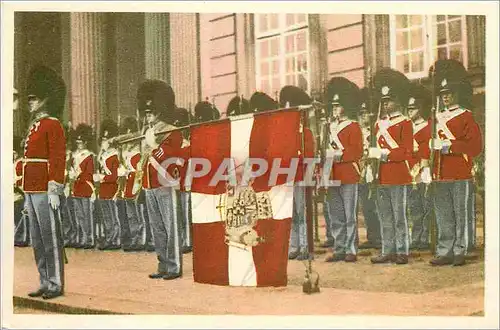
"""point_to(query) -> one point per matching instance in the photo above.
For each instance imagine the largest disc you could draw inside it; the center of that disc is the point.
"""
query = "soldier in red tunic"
(394, 134)
(346, 149)
(419, 203)
(43, 177)
(107, 177)
(156, 102)
(183, 118)
(82, 187)
(458, 142)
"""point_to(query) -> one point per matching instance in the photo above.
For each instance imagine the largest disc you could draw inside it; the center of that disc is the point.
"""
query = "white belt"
(35, 160)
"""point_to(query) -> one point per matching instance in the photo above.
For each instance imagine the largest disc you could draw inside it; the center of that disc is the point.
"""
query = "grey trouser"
(136, 226)
(298, 234)
(85, 219)
(108, 217)
(328, 221)
(453, 205)
(69, 224)
(184, 199)
(471, 223)
(21, 223)
(369, 209)
(46, 238)
(391, 206)
(419, 209)
(342, 204)
(162, 211)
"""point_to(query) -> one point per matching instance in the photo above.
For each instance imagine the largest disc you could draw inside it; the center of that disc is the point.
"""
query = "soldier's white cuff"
(55, 188)
(384, 154)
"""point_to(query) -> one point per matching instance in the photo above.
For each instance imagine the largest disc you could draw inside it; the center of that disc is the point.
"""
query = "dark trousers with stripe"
(69, 223)
(419, 209)
(342, 204)
(84, 219)
(369, 209)
(391, 208)
(121, 208)
(133, 223)
(45, 228)
(454, 208)
(162, 211)
(108, 217)
(21, 223)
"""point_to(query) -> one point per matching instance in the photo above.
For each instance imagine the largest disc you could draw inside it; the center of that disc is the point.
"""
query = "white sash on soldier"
(442, 120)
(104, 157)
(335, 130)
(383, 131)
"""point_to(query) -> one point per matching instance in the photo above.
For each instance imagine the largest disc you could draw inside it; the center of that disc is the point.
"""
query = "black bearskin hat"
(182, 117)
(294, 96)
(391, 84)
(47, 85)
(421, 98)
(205, 111)
(451, 75)
(83, 132)
(109, 129)
(260, 101)
(238, 106)
(342, 91)
(17, 145)
(128, 125)
(158, 97)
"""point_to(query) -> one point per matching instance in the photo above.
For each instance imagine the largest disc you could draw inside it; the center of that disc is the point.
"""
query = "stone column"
(88, 68)
(184, 59)
(157, 47)
(245, 54)
(383, 45)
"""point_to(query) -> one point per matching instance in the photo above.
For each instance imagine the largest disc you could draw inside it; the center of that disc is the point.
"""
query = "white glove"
(437, 144)
(150, 138)
(425, 176)
(72, 174)
(98, 177)
(122, 171)
(54, 201)
(92, 197)
(374, 153)
(66, 191)
(384, 154)
(369, 174)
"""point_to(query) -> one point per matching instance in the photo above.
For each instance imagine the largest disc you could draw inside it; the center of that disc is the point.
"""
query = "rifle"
(373, 163)
(434, 112)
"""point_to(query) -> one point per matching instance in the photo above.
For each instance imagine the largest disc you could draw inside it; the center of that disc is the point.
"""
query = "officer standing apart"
(43, 178)
(419, 202)
(394, 134)
(458, 142)
(156, 100)
(346, 149)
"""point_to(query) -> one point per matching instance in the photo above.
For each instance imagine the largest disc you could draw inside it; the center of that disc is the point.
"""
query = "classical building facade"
(103, 57)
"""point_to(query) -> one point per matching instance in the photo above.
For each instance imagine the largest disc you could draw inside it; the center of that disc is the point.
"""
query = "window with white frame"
(417, 41)
(282, 52)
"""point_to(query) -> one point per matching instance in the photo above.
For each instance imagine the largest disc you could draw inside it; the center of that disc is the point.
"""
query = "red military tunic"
(458, 126)
(131, 159)
(421, 150)
(109, 167)
(170, 147)
(44, 157)
(83, 163)
(308, 153)
(347, 137)
(397, 137)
